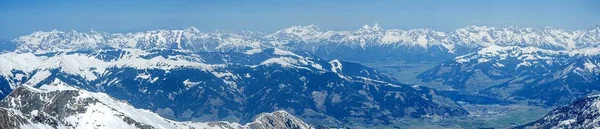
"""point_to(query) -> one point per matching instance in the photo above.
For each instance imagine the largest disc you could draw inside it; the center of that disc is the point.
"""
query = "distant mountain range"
(365, 44)
(547, 77)
(188, 75)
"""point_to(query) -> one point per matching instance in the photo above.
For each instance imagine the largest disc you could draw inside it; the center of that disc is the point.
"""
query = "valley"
(483, 112)
(299, 64)
(367, 78)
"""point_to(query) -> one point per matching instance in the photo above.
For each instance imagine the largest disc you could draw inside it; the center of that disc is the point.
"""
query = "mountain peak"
(278, 119)
(596, 28)
(477, 28)
(57, 85)
(368, 28)
(299, 32)
(300, 29)
(192, 29)
(470, 36)
(83, 109)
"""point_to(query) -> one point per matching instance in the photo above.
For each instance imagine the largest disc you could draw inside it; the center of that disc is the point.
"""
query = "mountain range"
(378, 43)
(581, 114)
(58, 105)
(269, 79)
(213, 86)
(540, 76)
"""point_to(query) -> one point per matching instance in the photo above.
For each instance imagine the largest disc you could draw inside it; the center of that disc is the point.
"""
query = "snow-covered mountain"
(365, 44)
(58, 105)
(188, 39)
(209, 86)
(545, 76)
(581, 114)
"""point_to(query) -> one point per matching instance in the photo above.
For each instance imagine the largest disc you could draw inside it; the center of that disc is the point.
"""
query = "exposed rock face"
(9, 119)
(279, 119)
(60, 106)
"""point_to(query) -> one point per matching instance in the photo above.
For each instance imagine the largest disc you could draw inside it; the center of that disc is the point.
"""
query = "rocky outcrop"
(60, 106)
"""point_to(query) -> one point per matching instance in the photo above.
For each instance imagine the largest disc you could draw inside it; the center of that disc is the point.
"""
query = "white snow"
(253, 51)
(482, 60)
(88, 66)
(283, 61)
(143, 76)
(37, 77)
(498, 64)
(56, 85)
(391, 37)
(284, 52)
(39, 126)
(461, 60)
(590, 66)
(336, 66)
(109, 113)
(524, 63)
(527, 55)
(192, 39)
(422, 41)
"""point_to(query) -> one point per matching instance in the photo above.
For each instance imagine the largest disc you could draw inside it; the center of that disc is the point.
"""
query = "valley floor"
(481, 115)
(407, 72)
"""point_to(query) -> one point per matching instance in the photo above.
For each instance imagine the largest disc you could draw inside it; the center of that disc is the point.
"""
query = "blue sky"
(18, 17)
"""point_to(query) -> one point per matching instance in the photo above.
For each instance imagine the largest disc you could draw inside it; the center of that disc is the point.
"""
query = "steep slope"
(369, 43)
(209, 86)
(581, 114)
(58, 105)
(543, 76)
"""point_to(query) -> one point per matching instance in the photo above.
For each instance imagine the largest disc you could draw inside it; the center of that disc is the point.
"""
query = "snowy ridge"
(192, 39)
(523, 53)
(92, 65)
(513, 73)
(234, 82)
(363, 37)
(98, 110)
(513, 36)
(89, 66)
(515, 59)
(581, 114)
(290, 59)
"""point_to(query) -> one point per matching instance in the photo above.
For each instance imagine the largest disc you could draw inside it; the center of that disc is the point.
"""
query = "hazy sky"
(18, 17)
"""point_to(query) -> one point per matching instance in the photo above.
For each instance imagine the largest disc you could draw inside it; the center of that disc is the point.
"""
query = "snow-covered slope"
(209, 86)
(470, 36)
(363, 37)
(522, 72)
(189, 39)
(581, 114)
(57, 105)
(374, 41)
